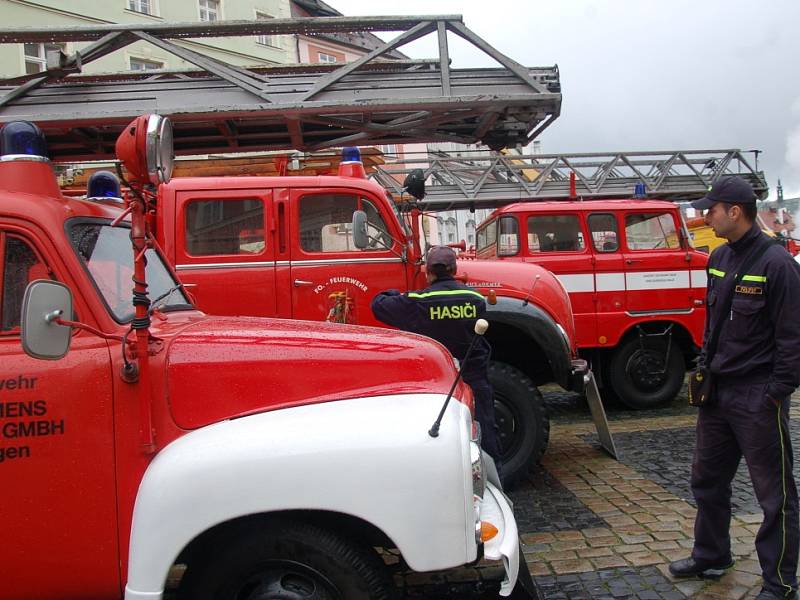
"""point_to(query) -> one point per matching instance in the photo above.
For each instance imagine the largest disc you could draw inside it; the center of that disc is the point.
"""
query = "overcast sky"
(647, 74)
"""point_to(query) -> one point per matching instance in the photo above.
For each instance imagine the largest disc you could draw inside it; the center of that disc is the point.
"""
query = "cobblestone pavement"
(593, 527)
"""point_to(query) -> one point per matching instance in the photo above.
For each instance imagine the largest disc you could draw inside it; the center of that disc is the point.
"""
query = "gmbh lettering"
(23, 419)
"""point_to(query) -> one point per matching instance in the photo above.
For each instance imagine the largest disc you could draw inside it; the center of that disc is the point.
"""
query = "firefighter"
(755, 369)
(446, 311)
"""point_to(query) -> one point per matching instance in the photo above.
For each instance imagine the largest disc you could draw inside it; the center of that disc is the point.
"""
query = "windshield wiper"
(165, 297)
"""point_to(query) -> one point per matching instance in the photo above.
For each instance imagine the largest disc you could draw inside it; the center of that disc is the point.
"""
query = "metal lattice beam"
(487, 180)
(374, 100)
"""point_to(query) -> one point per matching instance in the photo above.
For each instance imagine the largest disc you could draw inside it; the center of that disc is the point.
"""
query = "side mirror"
(360, 237)
(44, 302)
(414, 184)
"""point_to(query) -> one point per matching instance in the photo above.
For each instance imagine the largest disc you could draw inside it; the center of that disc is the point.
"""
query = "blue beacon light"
(351, 154)
(102, 185)
(639, 190)
(350, 164)
(19, 139)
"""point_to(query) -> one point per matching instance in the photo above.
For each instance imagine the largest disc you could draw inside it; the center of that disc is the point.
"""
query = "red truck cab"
(636, 284)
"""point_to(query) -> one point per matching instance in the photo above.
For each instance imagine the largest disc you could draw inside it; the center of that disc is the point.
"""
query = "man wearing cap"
(446, 311)
(755, 369)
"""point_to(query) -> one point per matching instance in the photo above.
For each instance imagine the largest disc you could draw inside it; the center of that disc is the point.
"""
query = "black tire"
(286, 560)
(521, 418)
(634, 373)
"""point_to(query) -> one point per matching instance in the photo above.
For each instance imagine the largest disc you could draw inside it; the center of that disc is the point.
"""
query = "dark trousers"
(744, 422)
(484, 414)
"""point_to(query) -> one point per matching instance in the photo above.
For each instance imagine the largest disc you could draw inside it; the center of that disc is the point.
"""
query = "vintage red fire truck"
(269, 457)
(285, 247)
(636, 283)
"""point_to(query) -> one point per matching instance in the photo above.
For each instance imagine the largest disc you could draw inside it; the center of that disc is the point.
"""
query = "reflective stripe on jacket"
(446, 311)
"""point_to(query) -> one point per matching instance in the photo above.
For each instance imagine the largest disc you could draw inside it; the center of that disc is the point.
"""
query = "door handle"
(630, 261)
(299, 282)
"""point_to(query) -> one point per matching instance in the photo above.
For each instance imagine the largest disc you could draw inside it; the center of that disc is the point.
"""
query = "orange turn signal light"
(488, 531)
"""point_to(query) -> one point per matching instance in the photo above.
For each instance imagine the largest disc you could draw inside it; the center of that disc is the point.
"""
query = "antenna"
(481, 325)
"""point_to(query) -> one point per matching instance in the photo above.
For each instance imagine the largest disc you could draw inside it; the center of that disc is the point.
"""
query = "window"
(266, 40)
(209, 10)
(555, 233)
(508, 236)
(389, 151)
(230, 226)
(141, 6)
(36, 56)
(105, 252)
(603, 229)
(21, 266)
(648, 231)
(143, 64)
(487, 235)
(326, 223)
(324, 57)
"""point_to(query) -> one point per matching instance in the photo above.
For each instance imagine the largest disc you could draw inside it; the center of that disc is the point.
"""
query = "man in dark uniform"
(446, 311)
(755, 369)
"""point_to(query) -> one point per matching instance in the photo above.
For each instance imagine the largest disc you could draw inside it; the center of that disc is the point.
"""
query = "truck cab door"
(657, 274)
(224, 241)
(57, 481)
(557, 241)
(331, 279)
(609, 277)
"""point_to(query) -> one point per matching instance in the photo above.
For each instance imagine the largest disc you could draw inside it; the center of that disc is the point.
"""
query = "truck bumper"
(497, 510)
(578, 376)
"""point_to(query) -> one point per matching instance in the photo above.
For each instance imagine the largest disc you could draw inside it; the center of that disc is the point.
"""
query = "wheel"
(286, 560)
(638, 376)
(521, 419)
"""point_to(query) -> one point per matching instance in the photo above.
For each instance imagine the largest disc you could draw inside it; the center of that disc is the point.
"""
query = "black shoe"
(689, 567)
(767, 595)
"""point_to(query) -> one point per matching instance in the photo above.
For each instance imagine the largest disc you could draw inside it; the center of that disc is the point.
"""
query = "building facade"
(19, 59)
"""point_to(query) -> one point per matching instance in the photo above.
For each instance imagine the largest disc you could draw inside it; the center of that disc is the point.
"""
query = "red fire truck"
(601, 223)
(267, 458)
(636, 284)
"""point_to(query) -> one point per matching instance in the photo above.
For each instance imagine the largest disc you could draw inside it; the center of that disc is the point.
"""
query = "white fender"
(371, 458)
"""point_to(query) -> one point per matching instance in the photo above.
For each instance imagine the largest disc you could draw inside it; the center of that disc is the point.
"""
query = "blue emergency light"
(351, 154)
(639, 190)
(350, 165)
(103, 184)
(21, 138)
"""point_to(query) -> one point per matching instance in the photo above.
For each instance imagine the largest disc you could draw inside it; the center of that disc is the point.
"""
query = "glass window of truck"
(107, 256)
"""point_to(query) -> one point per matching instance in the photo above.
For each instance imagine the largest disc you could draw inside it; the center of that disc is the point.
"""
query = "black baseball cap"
(731, 189)
(442, 255)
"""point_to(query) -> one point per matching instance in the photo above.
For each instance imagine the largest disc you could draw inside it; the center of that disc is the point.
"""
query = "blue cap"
(731, 189)
(441, 255)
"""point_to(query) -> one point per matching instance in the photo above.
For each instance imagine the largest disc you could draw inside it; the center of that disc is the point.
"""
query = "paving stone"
(605, 562)
(667, 545)
(561, 567)
(640, 559)
(628, 548)
(635, 539)
(594, 552)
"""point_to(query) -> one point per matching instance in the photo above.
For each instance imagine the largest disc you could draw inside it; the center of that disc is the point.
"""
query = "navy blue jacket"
(446, 311)
(760, 339)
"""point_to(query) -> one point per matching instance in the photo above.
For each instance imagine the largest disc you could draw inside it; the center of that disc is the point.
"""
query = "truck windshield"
(108, 257)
